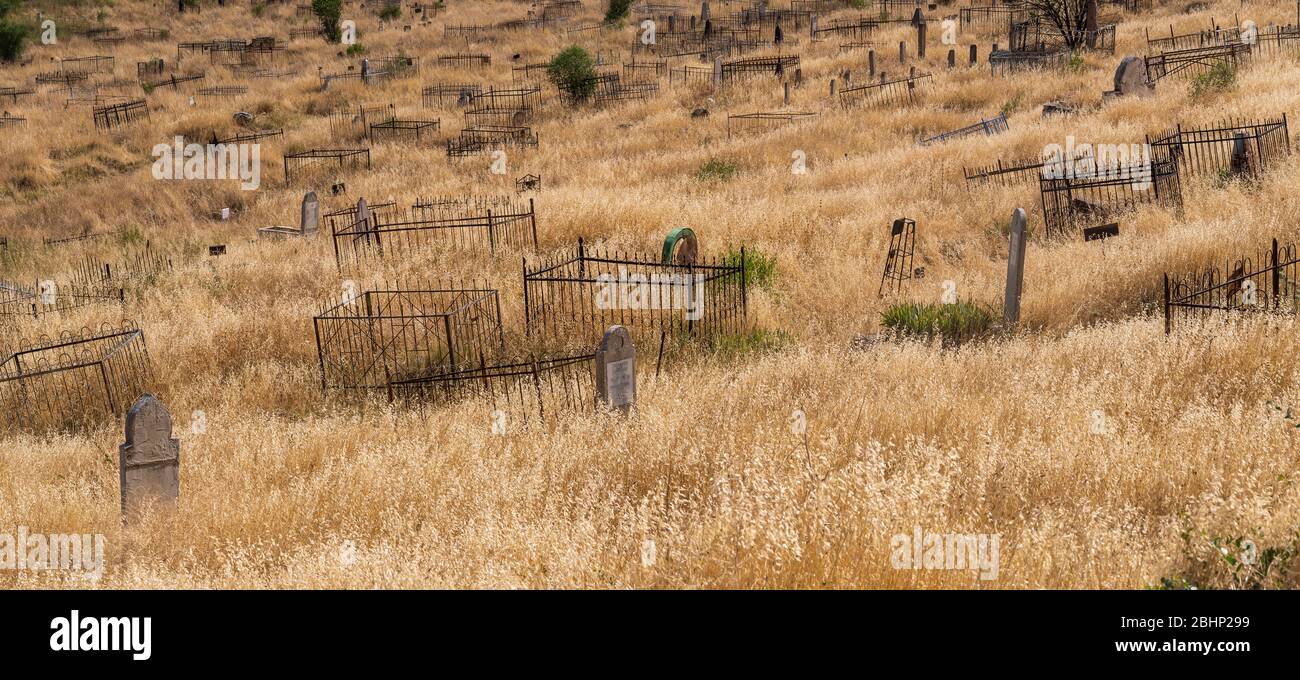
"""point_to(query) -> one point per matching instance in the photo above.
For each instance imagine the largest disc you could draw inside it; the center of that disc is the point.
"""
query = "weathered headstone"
(704, 11)
(871, 63)
(1240, 154)
(787, 92)
(310, 215)
(1131, 77)
(832, 87)
(1015, 267)
(920, 37)
(150, 460)
(974, 54)
(616, 370)
(681, 247)
(717, 71)
(952, 58)
(902, 52)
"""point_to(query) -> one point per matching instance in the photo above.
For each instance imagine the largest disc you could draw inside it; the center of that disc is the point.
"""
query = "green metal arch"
(671, 242)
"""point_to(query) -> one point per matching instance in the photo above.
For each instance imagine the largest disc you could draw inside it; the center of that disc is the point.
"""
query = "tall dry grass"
(995, 437)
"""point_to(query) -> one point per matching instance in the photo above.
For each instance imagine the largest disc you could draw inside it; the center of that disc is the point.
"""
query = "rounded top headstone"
(681, 247)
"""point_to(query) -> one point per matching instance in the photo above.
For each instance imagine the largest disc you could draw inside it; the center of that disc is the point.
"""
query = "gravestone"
(902, 52)
(952, 58)
(150, 460)
(1015, 268)
(1240, 154)
(1102, 232)
(717, 71)
(974, 54)
(616, 370)
(871, 63)
(681, 247)
(920, 37)
(310, 223)
(1131, 78)
(216, 250)
(704, 11)
(787, 92)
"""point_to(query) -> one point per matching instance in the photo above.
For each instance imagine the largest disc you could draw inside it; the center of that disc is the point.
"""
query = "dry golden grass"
(994, 437)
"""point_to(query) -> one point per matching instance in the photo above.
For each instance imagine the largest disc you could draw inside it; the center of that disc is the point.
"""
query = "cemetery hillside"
(589, 294)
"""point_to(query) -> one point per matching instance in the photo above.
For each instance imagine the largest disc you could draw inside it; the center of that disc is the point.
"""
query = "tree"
(574, 72)
(12, 35)
(328, 11)
(617, 10)
(1073, 19)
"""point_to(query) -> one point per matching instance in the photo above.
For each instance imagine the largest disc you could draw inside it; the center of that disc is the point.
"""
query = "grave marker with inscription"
(150, 460)
(616, 370)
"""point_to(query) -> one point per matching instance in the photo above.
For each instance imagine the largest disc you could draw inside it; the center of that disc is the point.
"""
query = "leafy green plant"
(756, 341)
(390, 12)
(617, 10)
(1220, 78)
(716, 169)
(1235, 562)
(573, 71)
(258, 8)
(954, 323)
(760, 268)
(1076, 63)
(13, 36)
(355, 49)
(1012, 105)
(328, 12)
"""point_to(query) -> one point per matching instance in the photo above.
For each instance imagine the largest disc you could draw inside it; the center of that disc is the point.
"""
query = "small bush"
(356, 49)
(1219, 78)
(574, 72)
(258, 9)
(617, 10)
(760, 268)
(716, 169)
(1076, 63)
(954, 323)
(390, 12)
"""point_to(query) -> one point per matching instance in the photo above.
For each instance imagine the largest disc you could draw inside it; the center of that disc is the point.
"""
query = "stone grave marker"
(150, 460)
(1015, 267)
(310, 223)
(1131, 78)
(616, 370)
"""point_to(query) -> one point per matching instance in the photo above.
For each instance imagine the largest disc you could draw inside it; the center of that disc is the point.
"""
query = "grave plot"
(444, 225)
(1266, 282)
(529, 182)
(1277, 40)
(1039, 35)
(148, 34)
(49, 297)
(226, 91)
(641, 70)
(528, 74)
(309, 32)
(404, 130)
(66, 79)
(612, 89)
(522, 387)
(94, 276)
(446, 95)
(510, 106)
(353, 122)
(1230, 148)
(855, 45)
(477, 140)
(109, 41)
(394, 333)
(89, 95)
(1011, 173)
(249, 137)
(77, 379)
(1087, 199)
(763, 121)
(889, 9)
(444, 207)
(741, 69)
(896, 92)
(1196, 61)
(365, 76)
(985, 127)
(149, 69)
(87, 65)
(852, 29)
(297, 164)
(1193, 40)
(397, 66)
(118, 115)
(13, 92)
(7, 120)
(464, 61)
(575, 297)
(899, 258)
(1006, 62)
(787, 19)
(991, 20)
(560, 9)
(691, 76)
(174, 82)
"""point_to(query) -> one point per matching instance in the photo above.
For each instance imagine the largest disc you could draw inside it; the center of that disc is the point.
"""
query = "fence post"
(532, 217)
(1277, 275)
(1168, 320)
(492, 240)
(527, 316)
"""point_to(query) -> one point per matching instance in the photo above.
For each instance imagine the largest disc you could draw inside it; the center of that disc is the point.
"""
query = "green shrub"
(328, 12)
(12, 40)
(390, 12)
(760, 268)
(1219, 78)
(574, 72)
(716, 169)
(954, 323)
(258, 9)
(355, 49)
(617, 10)
(1076, 63)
